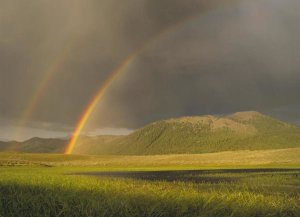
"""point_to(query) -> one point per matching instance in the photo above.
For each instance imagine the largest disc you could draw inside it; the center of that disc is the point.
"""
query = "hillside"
(185, 135)
(201, 134)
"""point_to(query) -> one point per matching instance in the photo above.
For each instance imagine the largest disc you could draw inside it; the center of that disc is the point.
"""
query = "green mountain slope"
(189, 135)
(203, 134)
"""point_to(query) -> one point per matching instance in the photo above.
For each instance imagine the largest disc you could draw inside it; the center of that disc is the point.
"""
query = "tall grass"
(55, 192)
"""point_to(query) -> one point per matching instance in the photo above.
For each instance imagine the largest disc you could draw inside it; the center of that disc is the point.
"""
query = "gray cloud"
(221, 62)
(240, 57)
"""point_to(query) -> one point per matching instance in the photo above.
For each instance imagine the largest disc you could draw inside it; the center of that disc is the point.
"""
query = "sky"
(198, 57)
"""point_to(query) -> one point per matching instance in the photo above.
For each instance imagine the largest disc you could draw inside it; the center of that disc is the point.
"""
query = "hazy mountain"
(198, 134)
(35, 145)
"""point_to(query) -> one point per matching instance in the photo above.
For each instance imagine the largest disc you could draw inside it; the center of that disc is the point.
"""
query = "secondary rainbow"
(42, 88)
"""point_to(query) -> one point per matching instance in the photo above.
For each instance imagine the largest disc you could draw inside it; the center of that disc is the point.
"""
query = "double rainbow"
(52, 71)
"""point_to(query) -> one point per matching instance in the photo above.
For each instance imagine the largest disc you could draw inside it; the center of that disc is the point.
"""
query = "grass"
(266, 158)
(47, 185)
(35, 191)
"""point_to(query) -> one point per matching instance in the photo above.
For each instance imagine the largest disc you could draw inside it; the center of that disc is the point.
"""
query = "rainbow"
(93, 103)
(42, 88)
(120, 69)
(101, 92)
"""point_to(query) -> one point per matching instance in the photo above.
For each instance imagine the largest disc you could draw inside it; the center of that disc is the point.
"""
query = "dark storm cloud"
(34, 33)
(241, 58)
(231, 58)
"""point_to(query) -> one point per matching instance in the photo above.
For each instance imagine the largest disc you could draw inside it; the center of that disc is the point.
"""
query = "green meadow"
(56, 185)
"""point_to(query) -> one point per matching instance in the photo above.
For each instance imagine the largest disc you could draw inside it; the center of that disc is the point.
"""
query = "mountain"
(4, 146)
(35, 145)
(198, 134)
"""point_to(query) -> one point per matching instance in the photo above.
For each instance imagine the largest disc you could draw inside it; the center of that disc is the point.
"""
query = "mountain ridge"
(204, 134)
(248, 130)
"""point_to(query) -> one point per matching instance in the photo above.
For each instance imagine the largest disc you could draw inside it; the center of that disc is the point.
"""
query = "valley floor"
(266, 158)
(266, 184)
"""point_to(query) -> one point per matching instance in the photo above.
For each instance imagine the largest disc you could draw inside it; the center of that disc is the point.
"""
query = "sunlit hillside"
(203, 134)
(185, 135)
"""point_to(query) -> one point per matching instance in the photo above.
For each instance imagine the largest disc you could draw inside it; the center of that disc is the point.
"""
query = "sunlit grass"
(46, 185)
(266, 158)
(36, 191)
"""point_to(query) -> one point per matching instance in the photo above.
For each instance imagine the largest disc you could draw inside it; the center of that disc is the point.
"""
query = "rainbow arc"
(120, 69)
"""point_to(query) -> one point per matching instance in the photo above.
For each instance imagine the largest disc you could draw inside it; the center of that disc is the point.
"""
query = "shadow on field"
(82, 198)
(196, 176)
(30, 200)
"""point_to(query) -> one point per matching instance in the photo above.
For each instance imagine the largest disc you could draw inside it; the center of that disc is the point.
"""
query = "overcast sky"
(215, 58)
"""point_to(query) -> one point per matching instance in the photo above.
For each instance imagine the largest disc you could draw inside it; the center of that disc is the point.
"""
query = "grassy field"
(265, 158)
(55, 185)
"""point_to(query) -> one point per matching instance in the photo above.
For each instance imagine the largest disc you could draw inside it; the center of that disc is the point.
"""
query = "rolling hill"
(185, 135)
(200, 134)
